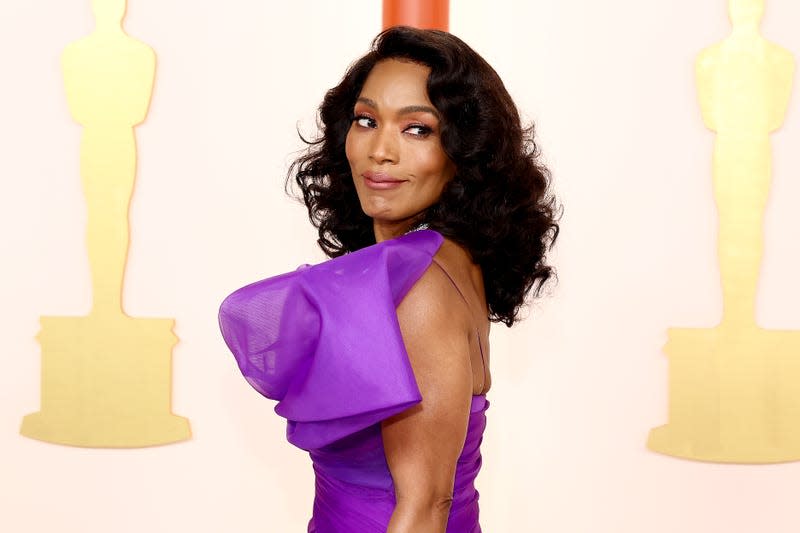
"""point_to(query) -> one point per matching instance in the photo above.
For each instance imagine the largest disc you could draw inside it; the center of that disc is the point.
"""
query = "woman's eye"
(364, 121)
(419, 130)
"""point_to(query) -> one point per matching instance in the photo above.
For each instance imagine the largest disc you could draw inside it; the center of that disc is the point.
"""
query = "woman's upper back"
(468, 299)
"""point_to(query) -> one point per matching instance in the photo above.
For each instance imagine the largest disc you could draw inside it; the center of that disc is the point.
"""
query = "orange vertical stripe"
(428, 14)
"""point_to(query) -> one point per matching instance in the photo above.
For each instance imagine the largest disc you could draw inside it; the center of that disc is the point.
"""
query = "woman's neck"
(385, 231)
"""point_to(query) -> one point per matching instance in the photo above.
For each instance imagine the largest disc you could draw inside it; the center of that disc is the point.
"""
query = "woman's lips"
(379, 180)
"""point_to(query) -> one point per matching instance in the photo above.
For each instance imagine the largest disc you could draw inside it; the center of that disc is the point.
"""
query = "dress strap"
(477, 331)
(446, 273)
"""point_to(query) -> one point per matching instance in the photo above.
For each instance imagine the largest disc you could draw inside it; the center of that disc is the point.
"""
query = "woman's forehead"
(396, 83)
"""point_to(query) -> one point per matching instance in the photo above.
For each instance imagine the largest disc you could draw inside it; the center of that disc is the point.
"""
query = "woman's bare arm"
(423, 443)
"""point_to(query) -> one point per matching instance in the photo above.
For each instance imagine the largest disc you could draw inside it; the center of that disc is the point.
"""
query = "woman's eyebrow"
(403, 110)
(419, 109)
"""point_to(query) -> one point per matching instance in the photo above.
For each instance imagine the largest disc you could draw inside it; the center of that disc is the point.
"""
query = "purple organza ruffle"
(325, 342)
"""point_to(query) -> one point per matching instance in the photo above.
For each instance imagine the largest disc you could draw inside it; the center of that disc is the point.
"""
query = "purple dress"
(325, 342)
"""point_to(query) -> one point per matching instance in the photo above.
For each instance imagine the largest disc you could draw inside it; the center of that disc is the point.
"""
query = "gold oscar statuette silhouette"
(106, 378)
(734, 390)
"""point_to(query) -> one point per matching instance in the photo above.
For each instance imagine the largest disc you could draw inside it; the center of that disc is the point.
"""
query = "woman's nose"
(384, 147)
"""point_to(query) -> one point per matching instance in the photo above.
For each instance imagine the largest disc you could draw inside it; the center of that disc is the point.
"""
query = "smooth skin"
(395, 133)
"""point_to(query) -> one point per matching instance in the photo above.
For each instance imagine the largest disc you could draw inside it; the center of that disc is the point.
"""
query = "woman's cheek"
(348, 141)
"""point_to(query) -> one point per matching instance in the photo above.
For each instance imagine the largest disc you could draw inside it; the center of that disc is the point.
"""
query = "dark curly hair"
(498, 206)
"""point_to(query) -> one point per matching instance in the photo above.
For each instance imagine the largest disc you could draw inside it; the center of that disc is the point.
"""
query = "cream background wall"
(576, 387)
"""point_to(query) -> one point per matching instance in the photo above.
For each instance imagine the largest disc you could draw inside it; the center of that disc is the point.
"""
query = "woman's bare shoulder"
(464, 273)
(433, 299)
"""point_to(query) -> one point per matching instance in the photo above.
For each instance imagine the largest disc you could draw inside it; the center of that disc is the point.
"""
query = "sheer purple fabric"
(325, 342)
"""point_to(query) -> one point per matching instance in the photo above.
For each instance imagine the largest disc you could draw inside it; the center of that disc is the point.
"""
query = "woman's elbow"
(443, 504)
(420, 515)
(422, 501)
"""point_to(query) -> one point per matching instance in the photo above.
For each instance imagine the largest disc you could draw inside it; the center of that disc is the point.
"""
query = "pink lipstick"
(380, 180)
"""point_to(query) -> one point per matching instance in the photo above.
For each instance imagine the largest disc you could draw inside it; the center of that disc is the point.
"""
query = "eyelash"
(358, 118)
(423, 130)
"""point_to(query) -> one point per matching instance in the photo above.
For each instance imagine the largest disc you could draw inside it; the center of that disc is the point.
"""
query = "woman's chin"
(379, 211)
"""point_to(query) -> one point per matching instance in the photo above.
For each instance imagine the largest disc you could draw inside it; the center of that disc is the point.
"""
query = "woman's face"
(395, 153)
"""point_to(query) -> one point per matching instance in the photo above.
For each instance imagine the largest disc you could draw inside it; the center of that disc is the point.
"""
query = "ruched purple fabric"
(325, 342)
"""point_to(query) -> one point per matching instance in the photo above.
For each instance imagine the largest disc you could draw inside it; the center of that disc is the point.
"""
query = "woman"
(428, 194)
